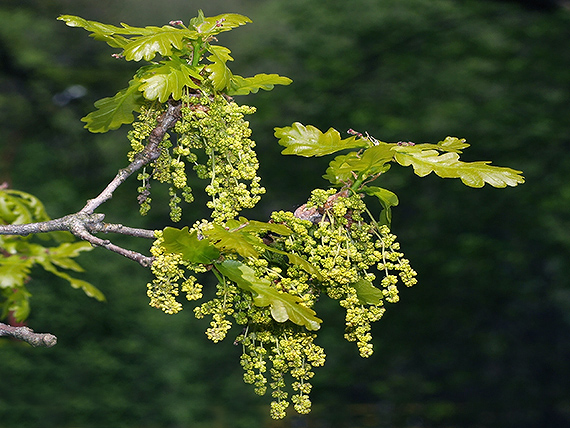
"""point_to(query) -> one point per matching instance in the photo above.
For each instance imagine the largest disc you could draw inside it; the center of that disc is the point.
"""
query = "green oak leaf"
(347, 168)
(308, 141)
(241, 236)
(283, 306)
(220, 74)
(17, 207)
(169, 79)
(115, 111)
(297, 260)
(234, 241)
(245, 85)
(161, 43)
(105, 32)
(255, 226)
(388, 200)
(450, 144)
(61, 255)
(367, 294)
(448, 165)
(144, 42)
(217, 24)
(14, 271)
(17, 303)
(188, 244)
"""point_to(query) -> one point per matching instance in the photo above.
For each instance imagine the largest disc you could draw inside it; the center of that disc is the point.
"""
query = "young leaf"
(145, 42)
(243, 86)
(61, 255)
(104, 32)
(448, 165)
(453, 144)
(233, 241)
(89, 289)
(255, 226)
(113, 112)
(450, 144)
(217, 24)
(388, 200)
(220, 74)
(366, 292)
(17, 303)
(168, 80)
(14, 271)
(297, 260)
(161, 43)
(189, 245)
(347, 168)
(283, 306)
(17, 207)
(309, 141)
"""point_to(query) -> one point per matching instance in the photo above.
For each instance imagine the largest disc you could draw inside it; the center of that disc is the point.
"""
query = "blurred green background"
(482, 341)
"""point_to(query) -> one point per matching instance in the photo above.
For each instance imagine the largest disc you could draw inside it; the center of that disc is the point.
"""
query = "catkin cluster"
(212, 138)
(336, 235)
(213, 132)
(350, 253)
(172, 274)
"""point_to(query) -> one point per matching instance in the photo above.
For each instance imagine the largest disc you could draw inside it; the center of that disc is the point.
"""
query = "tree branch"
(26, 334)
(85, 223)
(150, 153)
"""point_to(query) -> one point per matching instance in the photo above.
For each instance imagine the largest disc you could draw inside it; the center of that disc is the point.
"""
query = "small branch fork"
(27, 335)
(85, 223)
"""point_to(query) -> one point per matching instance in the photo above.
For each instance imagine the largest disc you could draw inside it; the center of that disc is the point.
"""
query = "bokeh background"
(482, 341)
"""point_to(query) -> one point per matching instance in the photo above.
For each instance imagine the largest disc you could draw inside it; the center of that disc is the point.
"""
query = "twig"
(124, 230)
(26, 334)
(82, 233)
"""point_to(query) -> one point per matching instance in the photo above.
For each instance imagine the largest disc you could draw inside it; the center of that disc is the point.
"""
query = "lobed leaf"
(283, 306)
(255, 226)
(217, 24)
(245, 85)
(62, 255)
(14, 271)
(220, 74)
(450, 144)
(308, 141)
(367, 294)
(105, 32)
(189, 245)
(448, 165)
(159, 43)
(17, 207)
(17, 303)
(115, 111)
(167, 80)
(144, 42)
(348, 168)
(388, 200)
(233, 241)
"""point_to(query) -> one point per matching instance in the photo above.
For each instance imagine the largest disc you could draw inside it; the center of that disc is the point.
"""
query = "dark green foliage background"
(482, 341)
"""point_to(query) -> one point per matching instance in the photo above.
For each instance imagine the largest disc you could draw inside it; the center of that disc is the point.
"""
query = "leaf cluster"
(175, 54)
(18, 255)
(358, 168)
